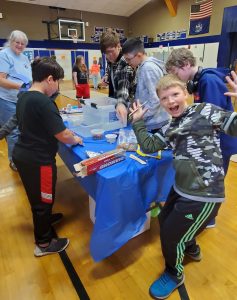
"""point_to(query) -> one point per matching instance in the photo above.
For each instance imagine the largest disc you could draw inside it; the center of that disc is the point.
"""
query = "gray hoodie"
(149, 73)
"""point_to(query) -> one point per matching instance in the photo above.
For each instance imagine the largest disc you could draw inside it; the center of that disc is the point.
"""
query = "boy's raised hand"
(137, 111)
(233, 84)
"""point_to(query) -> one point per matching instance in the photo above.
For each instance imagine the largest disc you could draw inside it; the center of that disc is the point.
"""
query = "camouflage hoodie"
(195, 142)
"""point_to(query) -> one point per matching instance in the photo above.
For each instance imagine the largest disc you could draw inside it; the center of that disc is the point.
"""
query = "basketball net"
(74, 39)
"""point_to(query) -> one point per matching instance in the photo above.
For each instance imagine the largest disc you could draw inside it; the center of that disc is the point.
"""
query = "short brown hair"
(109, 39)
(42, 67)
(169, 81)
(179, 58)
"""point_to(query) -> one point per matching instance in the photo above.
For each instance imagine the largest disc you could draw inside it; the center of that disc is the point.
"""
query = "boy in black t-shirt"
(41, 127)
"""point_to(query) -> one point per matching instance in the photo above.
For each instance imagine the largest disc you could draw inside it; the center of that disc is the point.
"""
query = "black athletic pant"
(181, 220)
(39, 183)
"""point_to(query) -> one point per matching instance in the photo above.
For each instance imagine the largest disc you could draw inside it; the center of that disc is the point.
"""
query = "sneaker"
(55, 246)
(211, 224)
(13, 166)
(164, 286)
(56, 218)
(194, 255)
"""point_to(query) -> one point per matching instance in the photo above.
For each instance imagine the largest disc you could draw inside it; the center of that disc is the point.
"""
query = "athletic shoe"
(55, 246)
(13, 166)
(165, 285)
(56, 218)
(194, 255)
(211, 224)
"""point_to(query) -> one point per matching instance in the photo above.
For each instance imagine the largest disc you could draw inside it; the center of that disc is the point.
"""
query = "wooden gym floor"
(128, 273)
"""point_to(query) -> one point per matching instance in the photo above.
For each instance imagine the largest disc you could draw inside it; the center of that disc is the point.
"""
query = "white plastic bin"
(92, 209)
(101, 111)
(85, 130)
(144, 228)
(72, 120)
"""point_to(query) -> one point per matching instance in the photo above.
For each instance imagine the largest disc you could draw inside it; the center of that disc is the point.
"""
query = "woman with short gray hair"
(15, 71)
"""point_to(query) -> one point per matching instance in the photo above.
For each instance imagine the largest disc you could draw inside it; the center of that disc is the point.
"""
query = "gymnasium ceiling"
(112, 7)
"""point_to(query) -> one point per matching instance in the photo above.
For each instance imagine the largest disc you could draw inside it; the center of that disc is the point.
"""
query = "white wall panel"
(63, 57)
(210, 55)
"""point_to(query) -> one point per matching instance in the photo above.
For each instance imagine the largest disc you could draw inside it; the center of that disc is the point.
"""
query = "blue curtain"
(228, 44)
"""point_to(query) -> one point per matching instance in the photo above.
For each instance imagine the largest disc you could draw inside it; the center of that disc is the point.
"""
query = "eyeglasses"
(129, 59)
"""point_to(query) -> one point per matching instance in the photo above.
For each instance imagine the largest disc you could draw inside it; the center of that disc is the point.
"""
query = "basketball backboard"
(70, 30)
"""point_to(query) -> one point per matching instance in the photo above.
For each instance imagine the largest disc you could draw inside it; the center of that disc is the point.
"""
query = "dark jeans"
(7, 110)
(181, 220)
(39, 183)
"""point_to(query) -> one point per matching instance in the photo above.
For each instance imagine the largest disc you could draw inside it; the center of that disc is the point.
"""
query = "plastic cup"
(111, 138)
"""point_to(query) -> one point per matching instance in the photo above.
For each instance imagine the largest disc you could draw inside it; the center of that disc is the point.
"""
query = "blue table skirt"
(122, 193)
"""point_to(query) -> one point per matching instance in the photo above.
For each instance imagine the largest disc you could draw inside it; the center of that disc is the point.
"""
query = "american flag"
(200, 11)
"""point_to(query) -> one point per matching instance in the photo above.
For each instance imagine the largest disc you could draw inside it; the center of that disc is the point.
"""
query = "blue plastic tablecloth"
(122, 193)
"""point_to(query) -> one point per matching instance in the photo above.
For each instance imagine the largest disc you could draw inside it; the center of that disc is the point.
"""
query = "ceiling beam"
(172, 7)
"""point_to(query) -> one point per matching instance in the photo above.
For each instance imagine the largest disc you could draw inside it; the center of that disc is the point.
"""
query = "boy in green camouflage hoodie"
(198, 190)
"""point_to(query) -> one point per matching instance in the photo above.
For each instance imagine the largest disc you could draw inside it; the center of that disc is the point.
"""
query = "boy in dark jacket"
(206, 85)
(198, 191)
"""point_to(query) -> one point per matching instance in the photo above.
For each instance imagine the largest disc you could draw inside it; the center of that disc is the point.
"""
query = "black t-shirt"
(38, 120)
(82, 77)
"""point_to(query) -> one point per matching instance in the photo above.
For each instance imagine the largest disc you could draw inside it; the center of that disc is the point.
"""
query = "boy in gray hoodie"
(149, 72)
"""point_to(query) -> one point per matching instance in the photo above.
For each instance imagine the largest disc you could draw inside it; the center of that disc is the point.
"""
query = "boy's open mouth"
(174, 109)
